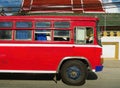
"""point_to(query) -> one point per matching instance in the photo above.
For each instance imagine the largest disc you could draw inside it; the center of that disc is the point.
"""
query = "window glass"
(80, 35)
(43, 35)
(5, 34)
(84, 35)
(61, 35)
(5, 24)
(42, 24)
(62, 24)
(23, 24)
(43, 31)
(23, 34)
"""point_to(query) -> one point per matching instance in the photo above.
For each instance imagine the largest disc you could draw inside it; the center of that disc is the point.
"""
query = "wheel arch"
(83, 59)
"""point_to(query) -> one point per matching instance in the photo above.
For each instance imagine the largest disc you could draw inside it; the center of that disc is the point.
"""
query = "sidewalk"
(112, 63)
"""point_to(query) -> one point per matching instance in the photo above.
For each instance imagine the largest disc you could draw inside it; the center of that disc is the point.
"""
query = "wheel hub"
(73, 72)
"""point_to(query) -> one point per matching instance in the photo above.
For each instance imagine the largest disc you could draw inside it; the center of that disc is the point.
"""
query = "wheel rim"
(73, 72)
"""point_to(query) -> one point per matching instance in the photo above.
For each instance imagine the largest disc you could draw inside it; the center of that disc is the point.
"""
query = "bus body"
(50, 44)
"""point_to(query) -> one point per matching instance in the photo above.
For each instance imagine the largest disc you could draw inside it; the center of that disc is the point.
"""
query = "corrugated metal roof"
(63, 5)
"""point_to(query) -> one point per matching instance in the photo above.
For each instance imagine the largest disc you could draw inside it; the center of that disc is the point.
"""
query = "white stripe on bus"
(25, 71)
(47, 45)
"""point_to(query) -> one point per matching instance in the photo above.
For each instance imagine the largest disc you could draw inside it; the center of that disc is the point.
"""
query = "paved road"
(109, 78)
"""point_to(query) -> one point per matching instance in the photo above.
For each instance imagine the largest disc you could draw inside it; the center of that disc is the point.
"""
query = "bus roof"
(48, 18)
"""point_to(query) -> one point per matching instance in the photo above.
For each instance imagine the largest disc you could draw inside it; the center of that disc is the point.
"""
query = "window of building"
(62, 24)
(23, 34)
(23, 24)
(43, 35)
(5, 34)
(43, 24)
(108, 33)
(61, 35)
(115, 33)
(5, 24)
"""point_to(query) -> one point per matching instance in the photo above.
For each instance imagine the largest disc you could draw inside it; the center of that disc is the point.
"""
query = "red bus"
(68, 46)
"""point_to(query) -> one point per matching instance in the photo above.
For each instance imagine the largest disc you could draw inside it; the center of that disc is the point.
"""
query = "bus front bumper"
(98, 68)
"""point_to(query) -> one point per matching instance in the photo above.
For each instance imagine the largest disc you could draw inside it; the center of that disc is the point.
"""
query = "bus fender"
(83, 59)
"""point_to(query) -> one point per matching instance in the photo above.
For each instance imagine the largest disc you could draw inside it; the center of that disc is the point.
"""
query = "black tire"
(74, 73)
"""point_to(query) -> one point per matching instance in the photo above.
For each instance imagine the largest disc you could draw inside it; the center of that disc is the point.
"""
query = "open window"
(5, 34)
(61, 35)
(84, 35)
(43, 35)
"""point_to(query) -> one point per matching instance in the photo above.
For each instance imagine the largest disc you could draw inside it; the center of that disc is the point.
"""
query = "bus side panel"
(32, 58)
(85, 53)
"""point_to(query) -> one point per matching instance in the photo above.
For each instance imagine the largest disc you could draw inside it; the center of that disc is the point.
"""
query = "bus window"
(89, 35)
(5, 24)
(5, 34)
(62, 24)
(80, 34)
(23, 35)
(84, 35)
(43, 24)
(61, 35)
(23, 24)
(43, 35)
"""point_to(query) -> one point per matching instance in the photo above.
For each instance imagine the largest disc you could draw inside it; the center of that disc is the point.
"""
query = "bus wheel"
(74, 73)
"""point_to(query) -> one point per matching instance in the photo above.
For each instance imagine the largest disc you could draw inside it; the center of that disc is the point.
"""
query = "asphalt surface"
(108, 78)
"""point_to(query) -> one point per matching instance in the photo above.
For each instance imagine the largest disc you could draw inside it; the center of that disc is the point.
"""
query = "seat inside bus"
(41, 37)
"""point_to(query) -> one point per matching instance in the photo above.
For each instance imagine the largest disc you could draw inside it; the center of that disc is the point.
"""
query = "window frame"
(75, 41)
(24, 27)
(43, 27)
(11, 34)
(60, 27)
(62, 36)
(23, 39)
(7, 27)
(43, 33)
